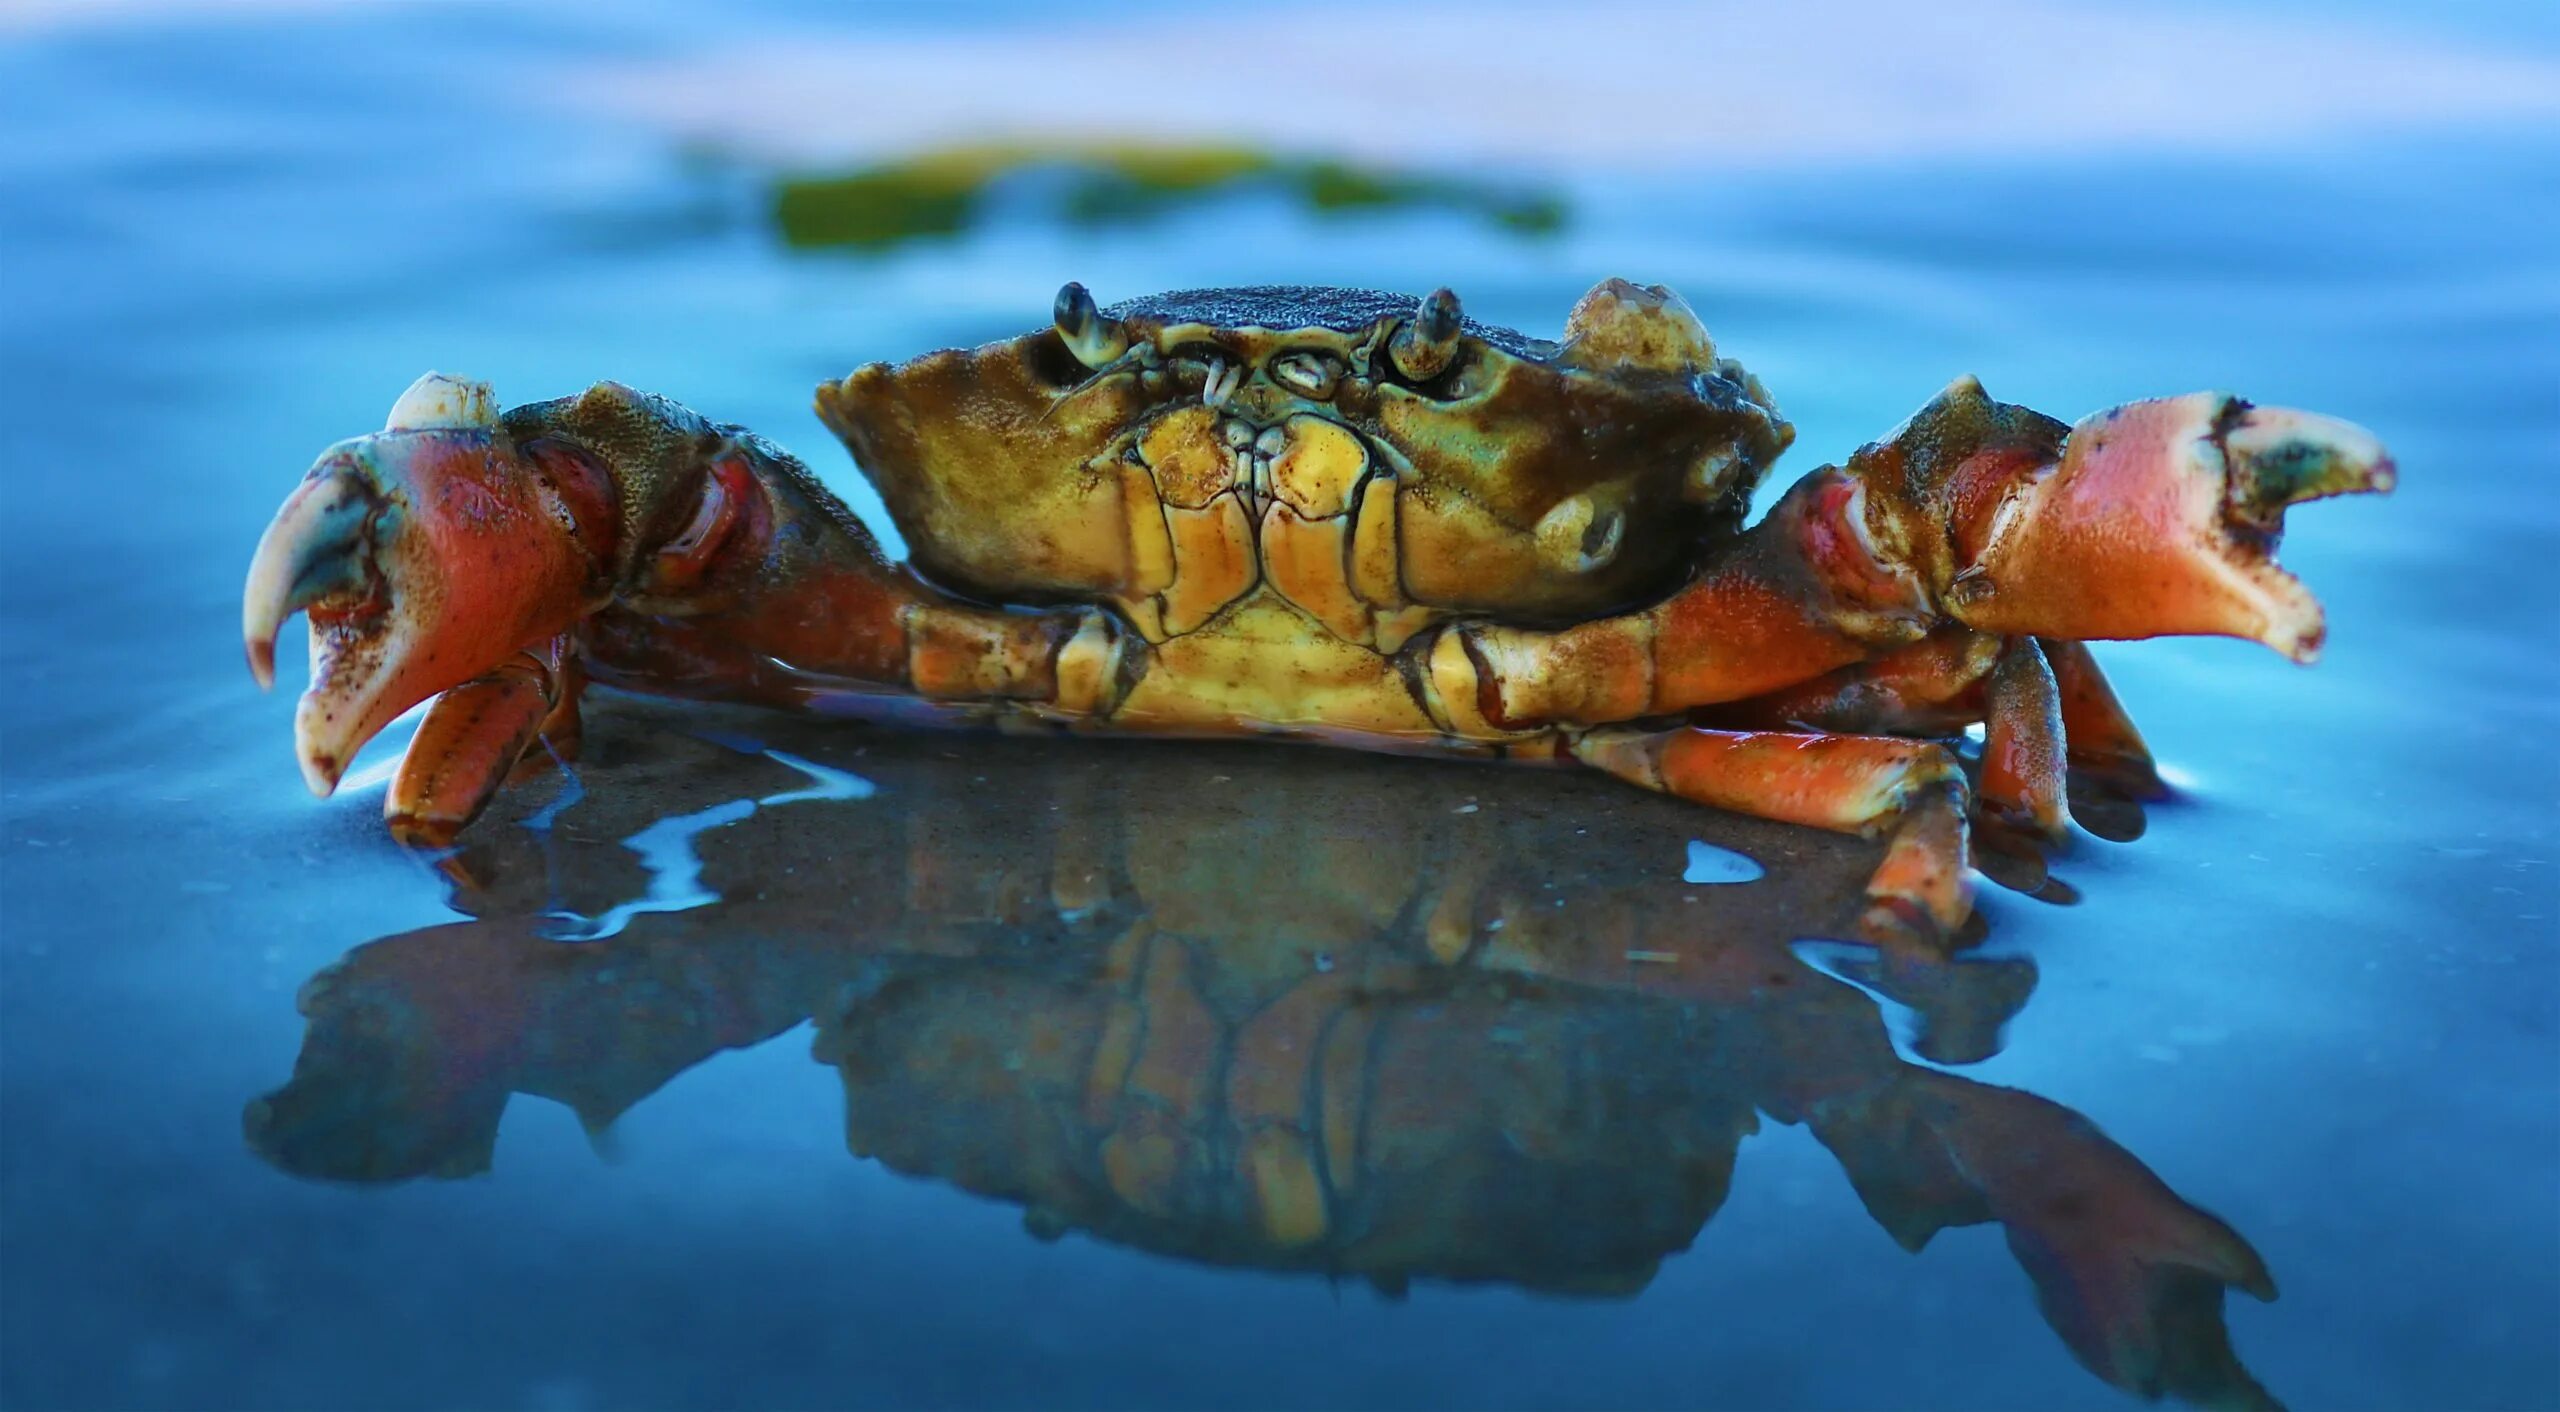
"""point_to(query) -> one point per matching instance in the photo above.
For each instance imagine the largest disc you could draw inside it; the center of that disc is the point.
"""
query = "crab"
(1333, 515)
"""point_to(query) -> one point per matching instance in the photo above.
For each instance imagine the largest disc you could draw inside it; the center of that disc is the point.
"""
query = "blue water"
(2317, 999)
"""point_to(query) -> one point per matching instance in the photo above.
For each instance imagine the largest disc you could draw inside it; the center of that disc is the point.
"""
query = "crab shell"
(1149, 454)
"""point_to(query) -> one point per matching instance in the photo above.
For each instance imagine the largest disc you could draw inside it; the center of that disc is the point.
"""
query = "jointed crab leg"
(2155, 518)
(1874, 590)
(1931, 688)
(457, 552)
(1843, 782)
(1847, 783)
(2103, 741)
(473, 738)
(2022, 748)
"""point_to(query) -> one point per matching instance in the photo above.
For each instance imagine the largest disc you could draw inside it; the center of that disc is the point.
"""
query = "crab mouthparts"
(1251, 450)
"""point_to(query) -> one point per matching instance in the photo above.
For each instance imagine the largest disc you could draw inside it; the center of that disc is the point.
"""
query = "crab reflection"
(1286, 1010)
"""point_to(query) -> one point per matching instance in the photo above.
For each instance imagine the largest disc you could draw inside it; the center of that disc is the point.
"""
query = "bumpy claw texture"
(2163, 518)
(425, 558)
(1339, 515)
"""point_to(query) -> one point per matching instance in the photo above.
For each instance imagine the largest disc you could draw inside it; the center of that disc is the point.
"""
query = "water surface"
(1599, 1154)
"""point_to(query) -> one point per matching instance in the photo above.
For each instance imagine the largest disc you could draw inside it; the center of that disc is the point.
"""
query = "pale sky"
(1618, 81)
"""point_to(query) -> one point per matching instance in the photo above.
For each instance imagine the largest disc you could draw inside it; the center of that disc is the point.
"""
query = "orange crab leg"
(1928, 688)
(1801, 594)
(2022, 748)
(2154, 518)
(1921, 890)
(429, 556)
(473, 740)
(2102, 739)
(1846, 783)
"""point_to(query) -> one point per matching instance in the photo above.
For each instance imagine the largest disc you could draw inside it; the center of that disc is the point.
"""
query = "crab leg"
(1858, 784)
(2103, 743)
(1942, 684)
(1801, 594)
(1932, 687)
(476, 736)
(2151, 519)
(2022, 749)
(453, 551)
(1936, 687)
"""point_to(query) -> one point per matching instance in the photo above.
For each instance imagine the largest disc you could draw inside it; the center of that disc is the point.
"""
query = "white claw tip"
(321, 773)
(440, 403)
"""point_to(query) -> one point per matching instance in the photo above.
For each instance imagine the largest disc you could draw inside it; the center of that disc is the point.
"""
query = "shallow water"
(1521, 1055)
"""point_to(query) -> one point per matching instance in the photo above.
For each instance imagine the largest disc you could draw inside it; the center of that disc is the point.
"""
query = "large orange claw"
(2163, 518)
(426, 555)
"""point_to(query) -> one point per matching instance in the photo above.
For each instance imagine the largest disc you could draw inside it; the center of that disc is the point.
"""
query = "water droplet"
(1710, 864)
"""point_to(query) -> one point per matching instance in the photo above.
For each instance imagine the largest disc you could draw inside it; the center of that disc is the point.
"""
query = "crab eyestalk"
(1425, 343)
(1095, 340)
(425, 555)
(2163, 518)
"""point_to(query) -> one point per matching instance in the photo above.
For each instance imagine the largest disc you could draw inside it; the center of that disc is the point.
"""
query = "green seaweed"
(942, 193)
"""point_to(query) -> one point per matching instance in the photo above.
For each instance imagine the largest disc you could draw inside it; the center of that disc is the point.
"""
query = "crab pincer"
(432, 554)
(496, 561)
(2161, 518)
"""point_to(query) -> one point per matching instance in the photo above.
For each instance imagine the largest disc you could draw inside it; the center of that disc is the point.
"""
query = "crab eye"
(1456, 381)
(1309, 373)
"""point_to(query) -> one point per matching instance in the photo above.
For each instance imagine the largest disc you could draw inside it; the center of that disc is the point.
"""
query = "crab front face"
(1377, 461)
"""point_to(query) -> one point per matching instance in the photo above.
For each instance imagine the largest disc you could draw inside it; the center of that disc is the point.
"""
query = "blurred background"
(2319, 998)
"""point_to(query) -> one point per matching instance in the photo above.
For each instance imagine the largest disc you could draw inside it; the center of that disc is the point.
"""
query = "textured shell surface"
(1286, 307)
(1172, 452)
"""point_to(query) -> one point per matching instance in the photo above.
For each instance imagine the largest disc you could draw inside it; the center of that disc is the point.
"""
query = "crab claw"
(2163, 518)
(425, 555)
